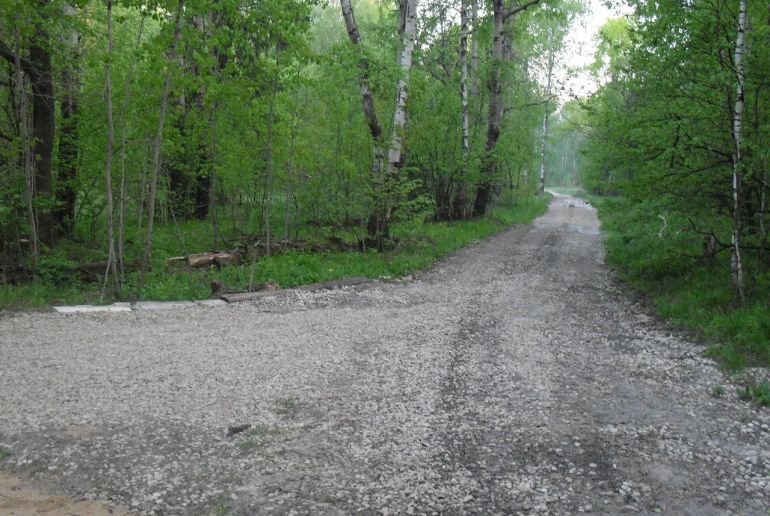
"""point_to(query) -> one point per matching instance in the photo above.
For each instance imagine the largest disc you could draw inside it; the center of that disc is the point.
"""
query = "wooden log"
(201, 260)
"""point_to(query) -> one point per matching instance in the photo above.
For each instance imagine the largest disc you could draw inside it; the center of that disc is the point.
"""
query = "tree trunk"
(43, 127)
(66, 196)
(122, 202)
(737, 261)
(158, 142)
(495, 115)
(474, 48)
(459, 201)
(496, 109)
(290, 172)
(544, 133)
(269, 158)
(39, 71)
(26, 150)
(400, 115)
(112, 259)
(213, 180)
(377, 221)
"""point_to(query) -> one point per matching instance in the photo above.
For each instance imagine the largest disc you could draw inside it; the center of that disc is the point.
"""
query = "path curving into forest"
(512, 378)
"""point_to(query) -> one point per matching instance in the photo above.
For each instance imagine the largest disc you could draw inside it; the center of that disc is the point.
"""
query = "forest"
(339, 135)
(150, 148)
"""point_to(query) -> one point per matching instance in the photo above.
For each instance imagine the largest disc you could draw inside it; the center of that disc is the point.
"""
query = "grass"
(689, 292)
(718, 391)
(4, 454)
(759, 393)
(423, 246)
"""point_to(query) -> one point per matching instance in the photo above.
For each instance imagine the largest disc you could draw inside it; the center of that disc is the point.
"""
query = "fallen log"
(201, 260)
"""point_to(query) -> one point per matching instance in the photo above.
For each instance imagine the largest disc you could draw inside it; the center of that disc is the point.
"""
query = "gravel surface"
(512, 378)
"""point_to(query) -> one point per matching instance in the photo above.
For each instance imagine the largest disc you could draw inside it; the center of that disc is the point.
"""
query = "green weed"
(286, 406)
(4, 454)
(718, 391)
(759, 393)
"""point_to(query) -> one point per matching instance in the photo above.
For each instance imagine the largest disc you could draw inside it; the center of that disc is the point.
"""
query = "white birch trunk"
(474, 48)
(544, 133)
(737, 261)
(460, 200)
(464, 78)
(400, 115)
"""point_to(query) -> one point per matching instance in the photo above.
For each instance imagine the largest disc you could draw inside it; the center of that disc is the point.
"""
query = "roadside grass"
(651, 255)
(759, 393)
(422, 245)
(4, 454)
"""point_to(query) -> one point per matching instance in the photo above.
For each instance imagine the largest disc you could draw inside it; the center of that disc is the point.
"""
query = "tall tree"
(159, 141)
(500, 13)
(38, 68)
(740, 50)
(378, 226)
(112, 258)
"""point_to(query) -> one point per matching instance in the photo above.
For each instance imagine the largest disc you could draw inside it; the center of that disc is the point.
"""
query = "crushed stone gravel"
(513, 378)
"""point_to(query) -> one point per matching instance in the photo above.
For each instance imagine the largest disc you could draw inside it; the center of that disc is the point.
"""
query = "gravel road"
(511, 379)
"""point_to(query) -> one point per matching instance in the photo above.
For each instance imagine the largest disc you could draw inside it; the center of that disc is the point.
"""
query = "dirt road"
(511, 379)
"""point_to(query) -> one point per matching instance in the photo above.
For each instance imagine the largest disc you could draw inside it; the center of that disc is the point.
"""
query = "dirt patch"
(20, 499)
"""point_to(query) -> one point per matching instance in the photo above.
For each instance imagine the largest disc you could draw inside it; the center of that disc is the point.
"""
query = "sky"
(580, 47)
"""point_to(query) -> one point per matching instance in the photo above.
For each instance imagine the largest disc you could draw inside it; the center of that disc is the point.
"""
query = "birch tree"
(546, 113)
(379, 220)
(740, 50)
(460, 199)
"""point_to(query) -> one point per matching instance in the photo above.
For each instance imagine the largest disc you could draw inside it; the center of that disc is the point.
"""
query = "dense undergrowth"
(656, 253)
(420, 246)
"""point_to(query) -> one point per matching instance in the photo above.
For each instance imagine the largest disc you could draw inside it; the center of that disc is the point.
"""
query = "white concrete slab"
(115, 307)
(212, 302)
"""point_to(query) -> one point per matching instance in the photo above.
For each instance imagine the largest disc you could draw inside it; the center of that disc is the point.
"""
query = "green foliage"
(4, 454)
(684, 287)
(264, 132)
(660, 130)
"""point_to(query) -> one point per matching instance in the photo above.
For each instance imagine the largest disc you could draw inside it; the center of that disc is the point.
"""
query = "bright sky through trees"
(579, 49)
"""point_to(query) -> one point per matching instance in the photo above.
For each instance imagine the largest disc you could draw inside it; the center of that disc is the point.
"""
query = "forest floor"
(511, 378)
